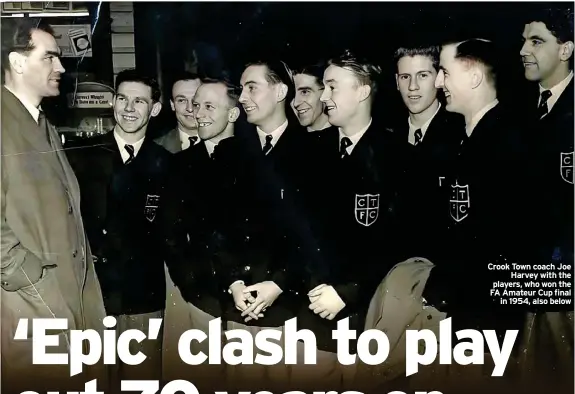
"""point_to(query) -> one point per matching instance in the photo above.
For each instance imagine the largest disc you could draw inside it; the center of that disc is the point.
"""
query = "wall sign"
(74, 40)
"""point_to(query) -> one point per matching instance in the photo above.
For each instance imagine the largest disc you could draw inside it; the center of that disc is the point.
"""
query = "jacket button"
(70, 210)
(74, 254)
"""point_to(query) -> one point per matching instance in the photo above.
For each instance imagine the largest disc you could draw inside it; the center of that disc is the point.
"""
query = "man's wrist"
(237, 282)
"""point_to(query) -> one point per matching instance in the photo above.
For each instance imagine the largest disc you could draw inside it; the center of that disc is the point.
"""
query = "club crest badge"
(459, 202)
(366, 208)
(567, 167)
(151, 208)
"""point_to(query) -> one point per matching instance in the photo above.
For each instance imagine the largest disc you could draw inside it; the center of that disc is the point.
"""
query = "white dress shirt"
(353, 138)
(121, 143)
(413, 129)
(276, 134)
(477, 117)
(555, 91)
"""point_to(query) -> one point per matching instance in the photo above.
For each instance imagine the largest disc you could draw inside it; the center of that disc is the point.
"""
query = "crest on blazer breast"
(366, 208)
(459, 202)
(567, 167)
(151, 208)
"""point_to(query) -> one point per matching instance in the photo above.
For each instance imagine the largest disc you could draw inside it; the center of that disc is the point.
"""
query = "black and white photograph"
(287, 197)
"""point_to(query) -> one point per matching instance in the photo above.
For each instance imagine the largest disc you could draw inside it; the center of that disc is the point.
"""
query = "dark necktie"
(543, 109)
(268, 145)
(418, 137)
(43, 124)
(193, 140)
(130, 150)
(344, 144)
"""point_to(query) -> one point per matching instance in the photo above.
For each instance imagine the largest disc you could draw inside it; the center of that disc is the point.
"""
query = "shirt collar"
(478, 116)
(276, 134)
(185, 138)
(355, 137)
(556, 90)
(122, 142)
(425, 126)
(35, 112)
(210, 146)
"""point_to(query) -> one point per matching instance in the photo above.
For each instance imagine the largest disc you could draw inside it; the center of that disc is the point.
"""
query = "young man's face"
(541, 53)
(415, 80)
(182, 94)
(133, 106)
(455, 80)
(306, 103)
(212, 110)
(342, 95)
(259, 97)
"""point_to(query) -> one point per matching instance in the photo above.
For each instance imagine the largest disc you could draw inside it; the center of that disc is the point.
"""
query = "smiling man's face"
(415, 80)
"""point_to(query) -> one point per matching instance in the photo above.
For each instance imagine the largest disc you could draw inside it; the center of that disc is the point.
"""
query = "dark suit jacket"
(120, 205)
(551, 164)
(355, 223)
(228, 222)
(485, 203)
(424, 168)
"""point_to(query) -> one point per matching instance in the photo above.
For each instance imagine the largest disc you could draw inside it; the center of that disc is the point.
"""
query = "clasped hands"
(324, 300)
(253, 308)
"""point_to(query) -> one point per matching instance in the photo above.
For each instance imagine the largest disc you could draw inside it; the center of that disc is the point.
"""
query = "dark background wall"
(228, 35)
(171, 36)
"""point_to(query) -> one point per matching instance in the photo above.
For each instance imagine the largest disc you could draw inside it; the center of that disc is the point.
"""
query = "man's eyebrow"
(331, 81)
(536, 37)
(54, 53)
(304, 88)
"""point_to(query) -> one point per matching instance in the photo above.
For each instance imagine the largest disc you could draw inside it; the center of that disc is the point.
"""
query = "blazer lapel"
(173, 141)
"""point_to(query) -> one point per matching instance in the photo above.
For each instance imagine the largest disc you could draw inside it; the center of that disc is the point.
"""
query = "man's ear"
(364, 92)
(566, 51)
(477, 76)
(282, 92)
(156, 108)
(397, 81)
(17, 61)
(172, 105)
(233, 114)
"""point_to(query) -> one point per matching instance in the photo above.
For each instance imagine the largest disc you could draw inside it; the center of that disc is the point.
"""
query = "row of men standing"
(278, 222)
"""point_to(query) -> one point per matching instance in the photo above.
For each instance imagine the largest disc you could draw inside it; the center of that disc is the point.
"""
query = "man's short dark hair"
(133, 75)
(277, 71)
(233, 91)
(431, 52)
(313, 70)
(17, 37)
(479, 51)
(184, 76)
(367, 73)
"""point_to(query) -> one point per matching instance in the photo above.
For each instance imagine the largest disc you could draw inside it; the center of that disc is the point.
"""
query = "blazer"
(551, 166)
(120, 205)
(41, 223)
